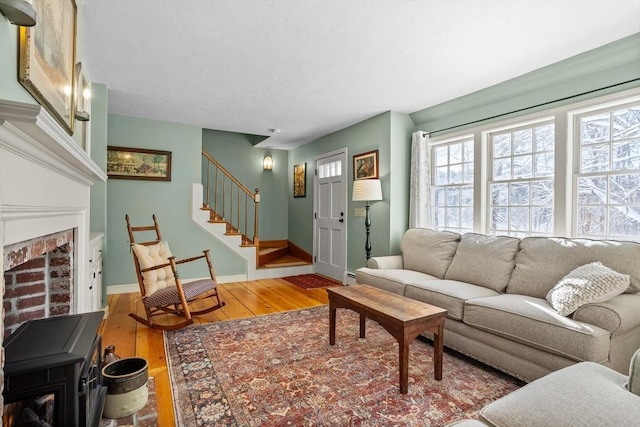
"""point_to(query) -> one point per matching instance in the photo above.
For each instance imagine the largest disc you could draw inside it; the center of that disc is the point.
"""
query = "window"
(330, 169)
(570, 171)
(521, 189)
(453, 191)
(608, 179)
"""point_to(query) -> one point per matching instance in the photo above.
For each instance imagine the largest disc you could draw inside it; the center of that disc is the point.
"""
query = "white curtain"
(420, 191)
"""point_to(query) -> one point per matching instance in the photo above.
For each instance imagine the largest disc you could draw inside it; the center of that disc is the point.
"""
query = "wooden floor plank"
(243, 299)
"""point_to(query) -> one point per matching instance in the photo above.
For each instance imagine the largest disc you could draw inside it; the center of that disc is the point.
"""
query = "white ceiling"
(310, 68)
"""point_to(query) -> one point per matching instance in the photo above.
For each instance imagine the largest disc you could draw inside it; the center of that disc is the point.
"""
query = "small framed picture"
(300, 180)
(365, 165)
(137, 163)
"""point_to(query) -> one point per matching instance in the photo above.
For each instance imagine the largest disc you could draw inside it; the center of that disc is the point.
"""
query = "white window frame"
(575, 117)
(565, 208)
(434, 172)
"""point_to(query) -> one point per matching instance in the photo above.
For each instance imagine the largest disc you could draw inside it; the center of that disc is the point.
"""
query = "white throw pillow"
(586, 284)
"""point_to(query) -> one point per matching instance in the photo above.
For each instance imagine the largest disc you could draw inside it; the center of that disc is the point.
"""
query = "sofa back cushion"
(484, 260)
(542, 262)
(428, 251)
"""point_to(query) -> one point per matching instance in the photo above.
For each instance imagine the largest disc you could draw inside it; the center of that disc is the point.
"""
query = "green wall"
(605, 66)
(244, 161)
(170, 201)
(390, 133)
(98, 207)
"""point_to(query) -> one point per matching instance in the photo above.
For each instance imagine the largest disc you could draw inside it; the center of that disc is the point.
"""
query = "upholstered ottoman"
(585, 394)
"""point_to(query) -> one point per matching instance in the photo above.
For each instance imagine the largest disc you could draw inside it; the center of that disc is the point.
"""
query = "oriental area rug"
(311, 281)
(279, 370)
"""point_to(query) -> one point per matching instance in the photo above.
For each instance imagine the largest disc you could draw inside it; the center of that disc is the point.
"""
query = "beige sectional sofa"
(495, 290)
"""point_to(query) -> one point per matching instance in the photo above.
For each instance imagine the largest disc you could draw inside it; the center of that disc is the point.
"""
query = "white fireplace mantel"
(45, 182)
(49, 143)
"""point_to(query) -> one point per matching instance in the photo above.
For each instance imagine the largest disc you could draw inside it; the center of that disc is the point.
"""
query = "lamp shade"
(365, 190)
(267, 163)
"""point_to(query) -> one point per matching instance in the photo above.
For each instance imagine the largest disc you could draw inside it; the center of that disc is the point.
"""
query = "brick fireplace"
(45, 182)
(38, 279)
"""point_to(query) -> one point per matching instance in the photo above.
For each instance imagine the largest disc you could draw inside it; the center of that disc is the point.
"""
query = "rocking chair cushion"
(150, 256)
(169, 295)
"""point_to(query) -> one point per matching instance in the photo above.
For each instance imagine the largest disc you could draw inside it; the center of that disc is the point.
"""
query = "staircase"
(229, 211)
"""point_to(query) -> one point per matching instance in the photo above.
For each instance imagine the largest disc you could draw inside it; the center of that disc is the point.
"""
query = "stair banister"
(234, 221)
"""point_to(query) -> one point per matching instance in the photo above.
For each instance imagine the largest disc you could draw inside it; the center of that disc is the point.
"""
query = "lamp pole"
(367, 228)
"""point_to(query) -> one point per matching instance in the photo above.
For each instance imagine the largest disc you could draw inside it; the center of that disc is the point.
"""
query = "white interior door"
(330, 239)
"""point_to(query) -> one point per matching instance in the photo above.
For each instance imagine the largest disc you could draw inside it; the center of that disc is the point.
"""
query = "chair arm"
(386, 262)
(617, 315)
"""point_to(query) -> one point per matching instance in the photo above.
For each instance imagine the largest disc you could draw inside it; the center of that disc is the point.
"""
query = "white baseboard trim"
(125, 289)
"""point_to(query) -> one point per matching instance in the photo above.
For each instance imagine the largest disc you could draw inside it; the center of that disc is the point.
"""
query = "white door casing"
(330, 216)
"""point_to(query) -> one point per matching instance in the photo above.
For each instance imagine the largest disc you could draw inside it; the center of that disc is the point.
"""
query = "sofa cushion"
(585, 394)
(543, 261)
(428, 251)
(532, 321)
(588, 283)
(447, 294)
(484, 260)
(391, 280)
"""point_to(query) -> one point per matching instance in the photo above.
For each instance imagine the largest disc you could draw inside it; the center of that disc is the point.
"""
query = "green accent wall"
(98, 148)
(170, 201)
(236, 153)
(608, 65)
(390, 134)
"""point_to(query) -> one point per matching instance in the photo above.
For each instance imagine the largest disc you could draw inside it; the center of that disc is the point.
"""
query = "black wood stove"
(53, 372)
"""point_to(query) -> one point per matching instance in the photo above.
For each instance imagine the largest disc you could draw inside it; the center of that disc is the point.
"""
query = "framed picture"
(365, 165)
(136, 163)
(47, 59)
(300, 180)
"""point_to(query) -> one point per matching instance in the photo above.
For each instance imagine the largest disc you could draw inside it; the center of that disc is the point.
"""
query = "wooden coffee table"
(402, 317)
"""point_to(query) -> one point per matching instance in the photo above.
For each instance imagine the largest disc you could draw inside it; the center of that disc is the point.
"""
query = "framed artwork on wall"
(365, 165)
(46, 60)
(137, 163)
(300, 180)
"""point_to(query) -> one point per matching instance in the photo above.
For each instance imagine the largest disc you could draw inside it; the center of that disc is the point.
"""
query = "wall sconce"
(19, 12)
(367, 190)
(267, 163)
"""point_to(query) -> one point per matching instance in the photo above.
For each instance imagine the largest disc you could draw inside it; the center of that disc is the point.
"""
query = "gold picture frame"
(365, 165)
(47, 59)
(138, 163)
(300, 180)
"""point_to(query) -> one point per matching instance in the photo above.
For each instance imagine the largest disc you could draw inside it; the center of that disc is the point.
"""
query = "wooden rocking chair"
(162, 290)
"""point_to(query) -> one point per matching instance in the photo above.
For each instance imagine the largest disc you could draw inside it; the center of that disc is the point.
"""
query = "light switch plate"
(359, 212)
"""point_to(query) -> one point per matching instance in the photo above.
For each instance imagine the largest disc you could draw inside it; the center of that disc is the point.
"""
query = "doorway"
(330, 219)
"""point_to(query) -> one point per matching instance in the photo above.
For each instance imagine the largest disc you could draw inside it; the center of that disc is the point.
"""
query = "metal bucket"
(126, 382)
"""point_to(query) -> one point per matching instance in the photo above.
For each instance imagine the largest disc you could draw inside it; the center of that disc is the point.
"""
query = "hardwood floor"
(243, 299)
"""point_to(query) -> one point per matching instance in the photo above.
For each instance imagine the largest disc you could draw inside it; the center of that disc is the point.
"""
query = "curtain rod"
(532, 107)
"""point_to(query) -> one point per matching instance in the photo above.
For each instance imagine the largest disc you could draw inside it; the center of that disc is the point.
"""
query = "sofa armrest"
(617, 315)
(634, 374)
(386, 262)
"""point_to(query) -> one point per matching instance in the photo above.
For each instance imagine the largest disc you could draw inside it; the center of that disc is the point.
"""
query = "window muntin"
(453, 190)
(521, 190)
(608, 178)
(330, 169)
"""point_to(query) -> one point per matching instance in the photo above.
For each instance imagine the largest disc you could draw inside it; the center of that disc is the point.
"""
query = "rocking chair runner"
(162, 290)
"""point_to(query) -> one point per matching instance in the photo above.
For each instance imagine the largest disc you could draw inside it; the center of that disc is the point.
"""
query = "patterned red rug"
(311, 281)
(279, 369)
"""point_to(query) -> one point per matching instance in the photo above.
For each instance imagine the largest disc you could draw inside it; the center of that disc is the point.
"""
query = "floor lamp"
(367, 190)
